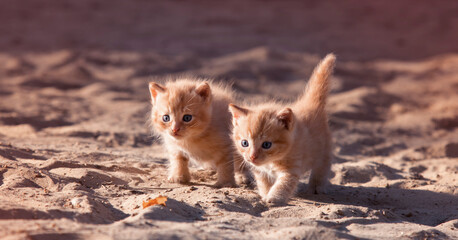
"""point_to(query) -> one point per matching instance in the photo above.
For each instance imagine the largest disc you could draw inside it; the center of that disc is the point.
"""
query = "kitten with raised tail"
(192, 118)
(281, 142)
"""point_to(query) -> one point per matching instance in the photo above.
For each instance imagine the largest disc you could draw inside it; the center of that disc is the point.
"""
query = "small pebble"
(76, 202)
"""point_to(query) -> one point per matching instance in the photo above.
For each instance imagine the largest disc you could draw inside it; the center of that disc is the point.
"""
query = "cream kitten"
(281, 142)
(192, 118)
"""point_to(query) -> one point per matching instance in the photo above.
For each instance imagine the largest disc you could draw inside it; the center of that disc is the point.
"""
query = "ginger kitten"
(281, 142)
(193, 120)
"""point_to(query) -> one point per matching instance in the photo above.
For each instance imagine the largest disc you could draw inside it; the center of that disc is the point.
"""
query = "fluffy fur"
(299, 136)
(205, 138)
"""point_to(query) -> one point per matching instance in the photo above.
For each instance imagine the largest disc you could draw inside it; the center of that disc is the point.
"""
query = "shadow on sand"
(394, 204)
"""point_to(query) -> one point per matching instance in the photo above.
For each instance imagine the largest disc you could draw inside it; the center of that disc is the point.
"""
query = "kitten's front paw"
(263, 196)
(183, 179)
(274, 201)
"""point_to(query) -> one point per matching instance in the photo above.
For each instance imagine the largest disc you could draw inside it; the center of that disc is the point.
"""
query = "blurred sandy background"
(77, 158)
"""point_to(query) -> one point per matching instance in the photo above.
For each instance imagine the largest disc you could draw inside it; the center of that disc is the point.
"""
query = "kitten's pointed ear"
(286, 117)
(155, 89)
(237, 112)
(204, 91)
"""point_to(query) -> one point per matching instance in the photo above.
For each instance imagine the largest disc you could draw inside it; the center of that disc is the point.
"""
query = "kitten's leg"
(242, 174)
(264, 184)
(319, 177)
(179, 170)
(225, 173)
(283, 188)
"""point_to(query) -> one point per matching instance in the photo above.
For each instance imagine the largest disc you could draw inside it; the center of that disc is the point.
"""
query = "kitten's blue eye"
(166, 118)
(187, 118)
(266, 145)
(245, 143)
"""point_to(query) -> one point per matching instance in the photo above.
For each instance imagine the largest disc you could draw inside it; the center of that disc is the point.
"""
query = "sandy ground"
(77, 158)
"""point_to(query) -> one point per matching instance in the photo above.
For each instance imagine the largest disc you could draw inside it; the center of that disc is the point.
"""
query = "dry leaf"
(157, 201)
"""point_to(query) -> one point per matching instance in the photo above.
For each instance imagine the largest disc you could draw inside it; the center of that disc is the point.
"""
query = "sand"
(77, 157)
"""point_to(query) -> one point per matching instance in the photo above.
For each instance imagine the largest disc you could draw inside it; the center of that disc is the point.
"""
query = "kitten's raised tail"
(316, 92)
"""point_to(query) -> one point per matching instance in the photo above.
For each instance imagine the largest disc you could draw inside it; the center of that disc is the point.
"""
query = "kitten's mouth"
(255, 162)
(175, 135)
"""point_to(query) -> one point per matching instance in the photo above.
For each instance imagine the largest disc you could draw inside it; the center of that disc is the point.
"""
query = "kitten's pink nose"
(175, 130)
(253, 157)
